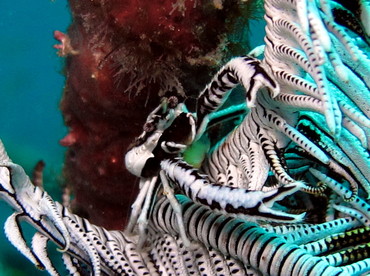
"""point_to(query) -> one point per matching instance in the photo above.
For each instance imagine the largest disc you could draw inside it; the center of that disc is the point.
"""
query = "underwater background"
(31, 125)
(31, 85)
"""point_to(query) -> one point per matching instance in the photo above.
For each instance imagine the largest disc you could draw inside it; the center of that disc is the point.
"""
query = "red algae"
(121, 57)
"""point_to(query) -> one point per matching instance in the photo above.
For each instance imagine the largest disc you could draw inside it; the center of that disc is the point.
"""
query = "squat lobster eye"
(173, 101)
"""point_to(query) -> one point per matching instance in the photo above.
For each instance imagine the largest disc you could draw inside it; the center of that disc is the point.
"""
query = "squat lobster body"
(167, 131)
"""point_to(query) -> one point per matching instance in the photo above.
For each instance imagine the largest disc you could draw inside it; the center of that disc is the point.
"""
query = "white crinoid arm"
(32, 204)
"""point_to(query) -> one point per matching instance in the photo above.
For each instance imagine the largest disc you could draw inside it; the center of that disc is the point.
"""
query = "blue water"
(31, 85)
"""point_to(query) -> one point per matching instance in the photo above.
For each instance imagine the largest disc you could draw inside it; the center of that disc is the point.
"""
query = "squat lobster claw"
(255, 205)
(247, 71)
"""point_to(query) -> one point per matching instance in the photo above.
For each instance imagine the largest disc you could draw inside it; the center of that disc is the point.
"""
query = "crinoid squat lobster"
(157, 145)
(304, 126)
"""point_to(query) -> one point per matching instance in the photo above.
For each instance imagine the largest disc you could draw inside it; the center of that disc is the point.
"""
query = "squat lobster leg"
(137, 205)
(141, 209)
(176, 208)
